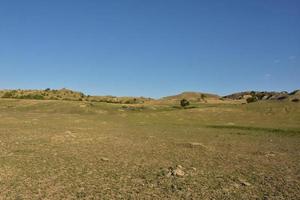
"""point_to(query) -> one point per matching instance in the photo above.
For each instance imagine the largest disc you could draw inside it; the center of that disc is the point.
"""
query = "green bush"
(251, 99)
(252, 93)
(9, 94)
(31, 96)
(131, 101)
(184, 103)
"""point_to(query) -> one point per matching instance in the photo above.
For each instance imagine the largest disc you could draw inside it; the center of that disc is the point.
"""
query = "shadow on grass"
(187, 107)
(260, 129)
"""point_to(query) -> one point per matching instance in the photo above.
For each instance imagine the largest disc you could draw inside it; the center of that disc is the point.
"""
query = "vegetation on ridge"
(66, 94)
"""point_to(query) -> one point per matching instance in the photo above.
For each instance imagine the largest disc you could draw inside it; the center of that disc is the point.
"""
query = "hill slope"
(192, 96)
(263, 95)
(195, 97)
(66, 94)
(47, 94)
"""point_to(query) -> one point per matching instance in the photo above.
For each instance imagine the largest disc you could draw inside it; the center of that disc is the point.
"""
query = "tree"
(184, 103)
(251, 99)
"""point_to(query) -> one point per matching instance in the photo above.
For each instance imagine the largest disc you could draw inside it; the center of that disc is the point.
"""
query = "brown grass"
(61, 150)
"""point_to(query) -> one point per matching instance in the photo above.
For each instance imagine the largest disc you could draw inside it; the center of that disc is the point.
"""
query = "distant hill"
(66, 94)
(196, 97)
(264, 95)
(241, 97)
(114, 99)
(193, 97)
(47, 94)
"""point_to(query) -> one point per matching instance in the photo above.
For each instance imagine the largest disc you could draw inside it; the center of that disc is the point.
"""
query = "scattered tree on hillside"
(251, 99)
(184, 103)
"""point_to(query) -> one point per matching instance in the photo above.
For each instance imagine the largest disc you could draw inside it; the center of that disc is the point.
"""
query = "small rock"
(194, 169)
(179, 167)
(235, 185)
(271, 154)
(244, 182)
(104, 159)
(178, 172)
(70, 134)
(197, 144)
(175, 172)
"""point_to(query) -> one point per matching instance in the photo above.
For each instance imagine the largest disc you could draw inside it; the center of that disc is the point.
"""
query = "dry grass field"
(88, 150)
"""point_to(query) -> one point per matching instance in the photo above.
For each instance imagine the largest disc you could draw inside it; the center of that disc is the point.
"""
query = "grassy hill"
(66, 94)
(47, 94)
(258, 95)
(195, 98)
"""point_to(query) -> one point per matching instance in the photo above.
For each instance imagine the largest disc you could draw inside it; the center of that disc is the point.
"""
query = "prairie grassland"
(78, 150)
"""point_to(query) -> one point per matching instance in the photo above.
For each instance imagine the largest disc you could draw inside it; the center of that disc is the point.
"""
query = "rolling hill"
(193, 97)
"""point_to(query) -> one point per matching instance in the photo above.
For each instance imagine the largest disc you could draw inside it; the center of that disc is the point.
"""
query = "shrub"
(9, 94)
(252, 93)
(251, 99)
(66, 99)
(33, 96)
(282, 97)
(294, 92)
(130, 101)
(184, 103)
(81, 95)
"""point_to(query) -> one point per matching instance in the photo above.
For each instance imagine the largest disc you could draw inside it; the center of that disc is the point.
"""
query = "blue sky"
(150, 48)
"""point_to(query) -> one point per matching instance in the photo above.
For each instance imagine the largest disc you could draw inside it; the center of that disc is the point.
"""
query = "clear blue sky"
(150, 47)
